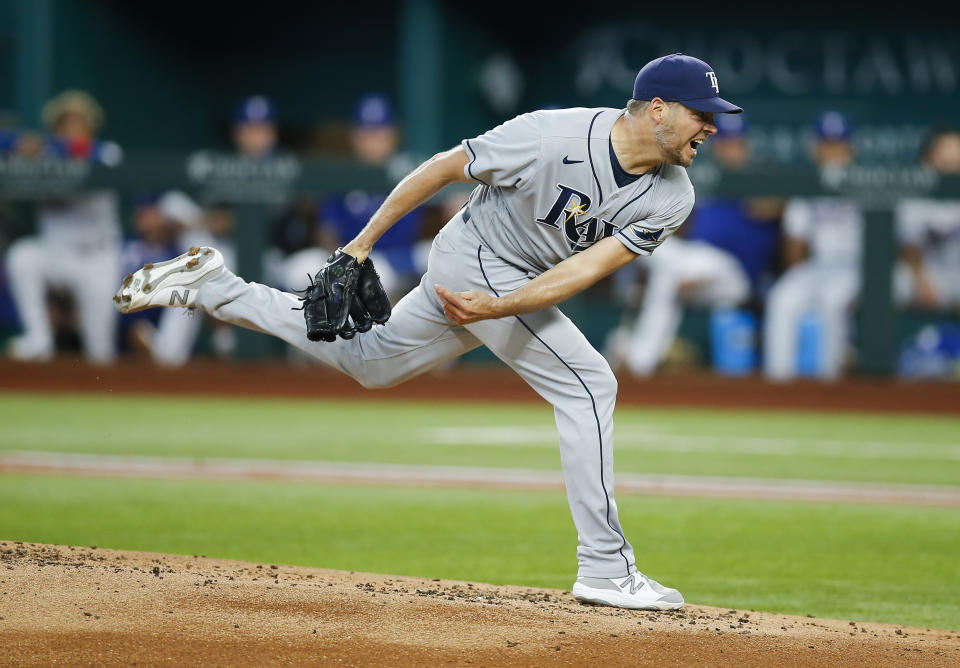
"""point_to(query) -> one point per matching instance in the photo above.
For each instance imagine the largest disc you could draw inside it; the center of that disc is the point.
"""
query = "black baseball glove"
(370, 302)
(343, 289)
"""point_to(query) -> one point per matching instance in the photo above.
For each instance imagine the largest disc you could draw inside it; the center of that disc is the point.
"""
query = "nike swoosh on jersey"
(568, 161)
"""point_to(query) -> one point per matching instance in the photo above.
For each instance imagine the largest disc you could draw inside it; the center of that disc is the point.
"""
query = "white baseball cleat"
(635, 591)
(174, 282)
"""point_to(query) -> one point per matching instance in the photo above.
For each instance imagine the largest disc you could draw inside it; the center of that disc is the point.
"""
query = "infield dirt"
(84, 605)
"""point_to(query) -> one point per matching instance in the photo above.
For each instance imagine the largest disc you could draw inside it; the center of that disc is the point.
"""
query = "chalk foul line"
(18, 462)
(650, 440)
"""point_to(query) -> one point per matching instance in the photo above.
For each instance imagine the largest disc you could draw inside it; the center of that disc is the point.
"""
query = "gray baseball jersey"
(550, 190)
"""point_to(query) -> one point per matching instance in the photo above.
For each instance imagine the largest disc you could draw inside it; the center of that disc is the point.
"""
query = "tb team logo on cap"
(713, 81)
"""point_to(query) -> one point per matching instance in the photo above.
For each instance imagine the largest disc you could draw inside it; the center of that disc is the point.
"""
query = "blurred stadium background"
(305, 160)
(825, 245)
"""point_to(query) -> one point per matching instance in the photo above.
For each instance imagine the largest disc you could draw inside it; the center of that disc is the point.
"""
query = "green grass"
(855, 447)
(861, 562)
(868, 563)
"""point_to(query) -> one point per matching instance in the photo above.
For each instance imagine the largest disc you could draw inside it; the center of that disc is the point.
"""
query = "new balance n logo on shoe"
(635, 585)
(175, 296)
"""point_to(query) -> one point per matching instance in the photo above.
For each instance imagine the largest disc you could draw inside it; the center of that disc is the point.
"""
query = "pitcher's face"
(680, 134)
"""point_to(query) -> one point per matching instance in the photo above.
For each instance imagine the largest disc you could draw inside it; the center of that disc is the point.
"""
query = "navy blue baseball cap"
(255, 109)
(373, 111)
(833, 126)
(684, 79)
(731, 126)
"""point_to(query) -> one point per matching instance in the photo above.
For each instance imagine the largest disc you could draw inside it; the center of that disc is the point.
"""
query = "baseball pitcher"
(564, 198)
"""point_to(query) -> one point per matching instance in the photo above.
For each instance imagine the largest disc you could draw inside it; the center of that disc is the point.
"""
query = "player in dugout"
(562, 199)
(76, 248)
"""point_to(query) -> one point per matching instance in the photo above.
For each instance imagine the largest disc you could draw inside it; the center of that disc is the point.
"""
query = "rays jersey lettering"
(548, 190)
(569, 215)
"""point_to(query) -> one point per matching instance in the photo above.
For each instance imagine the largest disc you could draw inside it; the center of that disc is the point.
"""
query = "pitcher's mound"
(80, 605)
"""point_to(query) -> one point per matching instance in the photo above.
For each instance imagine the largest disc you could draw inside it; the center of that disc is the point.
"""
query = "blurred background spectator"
(375, 140)
(77, 246)
(255, 127)
(928, 230)
(808, 309)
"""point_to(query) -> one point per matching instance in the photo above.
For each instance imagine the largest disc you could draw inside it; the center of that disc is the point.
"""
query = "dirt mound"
(81, 605)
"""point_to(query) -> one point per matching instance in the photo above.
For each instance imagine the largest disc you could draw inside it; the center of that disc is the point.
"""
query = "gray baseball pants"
(544, 347)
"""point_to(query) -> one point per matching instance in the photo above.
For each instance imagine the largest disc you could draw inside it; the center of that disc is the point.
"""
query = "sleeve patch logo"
(648, 236)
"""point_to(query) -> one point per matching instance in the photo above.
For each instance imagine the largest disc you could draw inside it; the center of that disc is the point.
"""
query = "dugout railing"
(257, 188)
